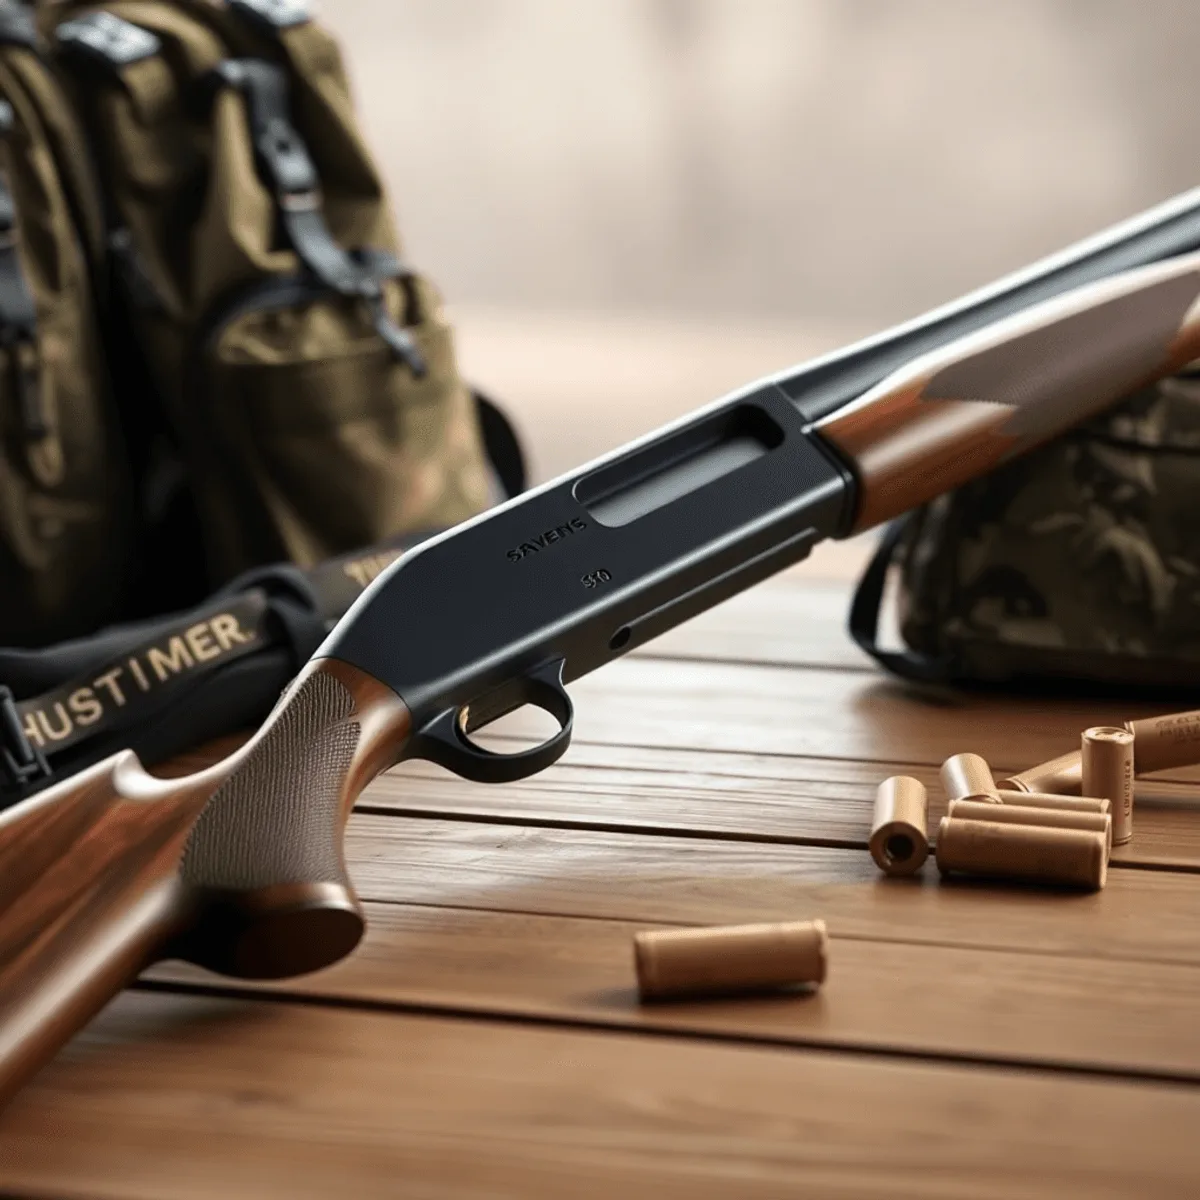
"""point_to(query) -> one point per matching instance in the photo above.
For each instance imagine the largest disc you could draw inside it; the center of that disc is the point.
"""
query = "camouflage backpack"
(193, 194)
(1078, 562)
(66, 496)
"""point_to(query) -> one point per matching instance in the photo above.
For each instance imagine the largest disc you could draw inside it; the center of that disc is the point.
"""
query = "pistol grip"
(264, 862)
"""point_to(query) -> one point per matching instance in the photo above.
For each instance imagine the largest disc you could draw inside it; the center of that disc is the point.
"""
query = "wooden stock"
(238, 868)
(954, 414)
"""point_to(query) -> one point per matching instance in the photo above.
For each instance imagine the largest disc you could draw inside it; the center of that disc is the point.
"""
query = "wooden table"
(486, 1040)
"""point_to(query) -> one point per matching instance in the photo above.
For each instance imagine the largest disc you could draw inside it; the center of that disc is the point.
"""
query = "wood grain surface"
(816, 801)
(780, 710)
(957, 1002)
(972, 1040)
(200, 1097)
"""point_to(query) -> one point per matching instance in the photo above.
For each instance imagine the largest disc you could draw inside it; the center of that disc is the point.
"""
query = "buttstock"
(238, 868)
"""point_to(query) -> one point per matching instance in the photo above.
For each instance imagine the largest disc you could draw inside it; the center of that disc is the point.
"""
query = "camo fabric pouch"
(1080, 561)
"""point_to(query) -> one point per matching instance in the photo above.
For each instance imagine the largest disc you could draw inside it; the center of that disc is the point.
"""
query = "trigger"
(446, 739)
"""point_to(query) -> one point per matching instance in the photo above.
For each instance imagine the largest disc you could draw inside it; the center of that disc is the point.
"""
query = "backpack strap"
(863, 623)
(502, 445)
(287, 169)
(18, 313)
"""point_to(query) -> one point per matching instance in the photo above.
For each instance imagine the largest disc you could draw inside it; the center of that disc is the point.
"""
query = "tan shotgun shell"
(899, 830)
(1095, 804)
(1034, 853)
(729, 958)
(1062, 775)
(1108, 772)
(1172, 740)
(1020, 814)
(968, 777)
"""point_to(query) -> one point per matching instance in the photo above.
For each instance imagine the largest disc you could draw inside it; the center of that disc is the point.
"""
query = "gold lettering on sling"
(202, 643)
(363, 570)
(55, 733)
(135, 669)
(85, 707)
(32, 732)
(165, 663)
(228, 632)
(109, 681)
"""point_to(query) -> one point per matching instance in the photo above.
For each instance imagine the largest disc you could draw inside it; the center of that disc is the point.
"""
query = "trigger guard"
(443, 740)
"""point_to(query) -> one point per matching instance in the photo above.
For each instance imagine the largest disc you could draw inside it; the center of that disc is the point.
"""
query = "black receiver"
(504, 610)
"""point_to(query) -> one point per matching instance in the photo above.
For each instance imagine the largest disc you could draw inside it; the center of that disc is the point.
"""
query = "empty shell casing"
(1020, 814)
(1108, 772)
(1063, 775)
(1095, 804)
(968, 777)
(899, 830)
(729, 958)
(1034, 853)
(1172, 740)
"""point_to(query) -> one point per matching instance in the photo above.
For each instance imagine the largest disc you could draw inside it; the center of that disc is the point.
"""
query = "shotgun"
(239, 868)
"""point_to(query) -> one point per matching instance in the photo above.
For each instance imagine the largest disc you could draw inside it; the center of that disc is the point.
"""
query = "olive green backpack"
(284, 386)
(65, 494)
(1078, 564)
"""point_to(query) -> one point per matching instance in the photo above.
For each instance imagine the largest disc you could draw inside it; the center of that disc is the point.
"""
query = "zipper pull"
(399, 341)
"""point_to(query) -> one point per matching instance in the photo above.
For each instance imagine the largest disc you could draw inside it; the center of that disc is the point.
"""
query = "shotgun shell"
(729, 958)
(899, 830)
(1172, 740)
(1060, 775)
(1108, 772)
(1018, 814)
(1072, 857)
(968, 777)
(1095, 804)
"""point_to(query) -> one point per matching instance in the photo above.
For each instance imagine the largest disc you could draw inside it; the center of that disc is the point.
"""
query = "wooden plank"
(763, 798)
(1150, 916)
(920, 1000)
(189, 1098)
(790, 619)
(735, 708)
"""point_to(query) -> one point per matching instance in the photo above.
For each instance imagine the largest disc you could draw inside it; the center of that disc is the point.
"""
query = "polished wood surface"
(485, 1039)
(110, 870)
(955, 413)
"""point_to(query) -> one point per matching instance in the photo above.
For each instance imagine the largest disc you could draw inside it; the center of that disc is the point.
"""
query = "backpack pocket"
(318, 437)
(310, 384)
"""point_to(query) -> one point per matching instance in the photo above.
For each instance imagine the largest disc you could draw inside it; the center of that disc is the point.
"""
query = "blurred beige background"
(636, 205)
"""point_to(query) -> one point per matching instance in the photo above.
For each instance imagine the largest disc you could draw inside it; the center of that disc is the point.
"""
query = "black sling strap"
(865, 609)
(167, 684)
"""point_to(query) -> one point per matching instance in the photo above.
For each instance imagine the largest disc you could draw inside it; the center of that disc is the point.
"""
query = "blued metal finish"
(595, 563)
(585, 568)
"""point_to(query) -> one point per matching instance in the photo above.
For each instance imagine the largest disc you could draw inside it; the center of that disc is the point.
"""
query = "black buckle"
(105, 38)
(288, 170)
(283, 158)
(17, 26)
(272, 15)
(21, 763)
